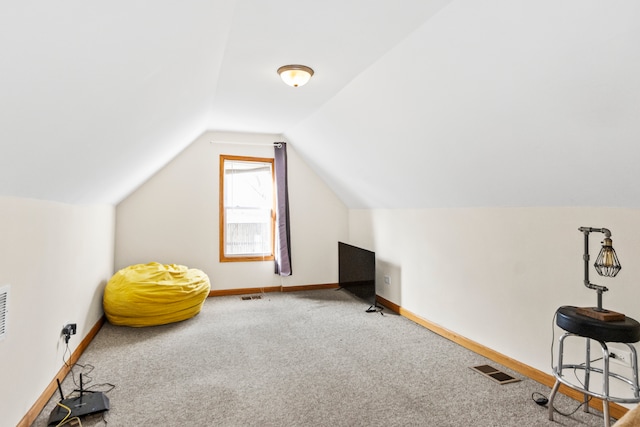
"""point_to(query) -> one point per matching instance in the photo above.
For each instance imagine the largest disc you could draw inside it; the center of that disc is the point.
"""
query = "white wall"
(173, 218)
(497, 275)
(56, 259)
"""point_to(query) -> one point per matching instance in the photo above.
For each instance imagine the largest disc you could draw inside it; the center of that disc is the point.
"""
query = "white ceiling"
(415, 103)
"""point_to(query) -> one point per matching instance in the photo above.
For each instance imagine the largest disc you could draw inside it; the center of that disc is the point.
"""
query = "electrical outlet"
(387, 280)
(620, 356)
(67, 330)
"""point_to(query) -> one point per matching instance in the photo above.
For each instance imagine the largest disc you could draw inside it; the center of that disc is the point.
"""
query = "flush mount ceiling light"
(295, 75)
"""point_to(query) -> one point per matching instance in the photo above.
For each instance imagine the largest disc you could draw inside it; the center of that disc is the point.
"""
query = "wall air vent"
(4, 310)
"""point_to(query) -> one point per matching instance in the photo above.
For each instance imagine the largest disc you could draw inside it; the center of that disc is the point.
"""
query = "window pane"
(248, 208)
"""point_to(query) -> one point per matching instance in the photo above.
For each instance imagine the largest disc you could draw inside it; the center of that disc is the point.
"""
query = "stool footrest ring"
(593, 393)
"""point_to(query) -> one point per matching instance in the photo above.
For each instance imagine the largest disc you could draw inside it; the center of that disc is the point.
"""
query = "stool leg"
(605, 384)
(634, 370)
(587, 371)
(558, 373)
(551, 397)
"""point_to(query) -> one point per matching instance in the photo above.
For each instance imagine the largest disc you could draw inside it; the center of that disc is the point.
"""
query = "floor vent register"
(495, 374)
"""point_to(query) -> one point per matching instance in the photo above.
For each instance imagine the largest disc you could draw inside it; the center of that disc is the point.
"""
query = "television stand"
(375, 308)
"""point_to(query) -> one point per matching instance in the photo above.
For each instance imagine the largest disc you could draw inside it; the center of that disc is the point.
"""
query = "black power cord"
(542, 400)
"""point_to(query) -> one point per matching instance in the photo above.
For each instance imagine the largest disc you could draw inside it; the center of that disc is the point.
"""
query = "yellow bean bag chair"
(154, 294)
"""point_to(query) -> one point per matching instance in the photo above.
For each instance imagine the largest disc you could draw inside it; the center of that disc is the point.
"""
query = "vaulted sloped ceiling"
(496, 103)
(414, 104)
(95, 96)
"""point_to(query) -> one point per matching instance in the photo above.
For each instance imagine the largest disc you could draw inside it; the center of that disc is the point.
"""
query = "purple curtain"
(283, 233)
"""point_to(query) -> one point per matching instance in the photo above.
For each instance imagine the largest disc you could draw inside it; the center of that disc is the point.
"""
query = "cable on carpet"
(87, 369)
(68, 420)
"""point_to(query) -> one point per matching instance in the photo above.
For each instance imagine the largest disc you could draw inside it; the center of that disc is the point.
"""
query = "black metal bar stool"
(625, 331)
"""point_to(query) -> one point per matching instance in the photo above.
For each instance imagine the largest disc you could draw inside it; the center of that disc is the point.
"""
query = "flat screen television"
(357, 273)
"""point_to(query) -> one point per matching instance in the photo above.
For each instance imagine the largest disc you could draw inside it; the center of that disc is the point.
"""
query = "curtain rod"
(275, 144)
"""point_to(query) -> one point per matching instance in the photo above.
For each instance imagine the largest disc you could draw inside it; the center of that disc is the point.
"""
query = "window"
(247, 214)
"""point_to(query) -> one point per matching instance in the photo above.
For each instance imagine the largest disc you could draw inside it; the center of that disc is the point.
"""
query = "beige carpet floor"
(312, 358)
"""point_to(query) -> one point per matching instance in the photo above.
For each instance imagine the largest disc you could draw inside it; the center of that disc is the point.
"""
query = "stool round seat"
(624, 331)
